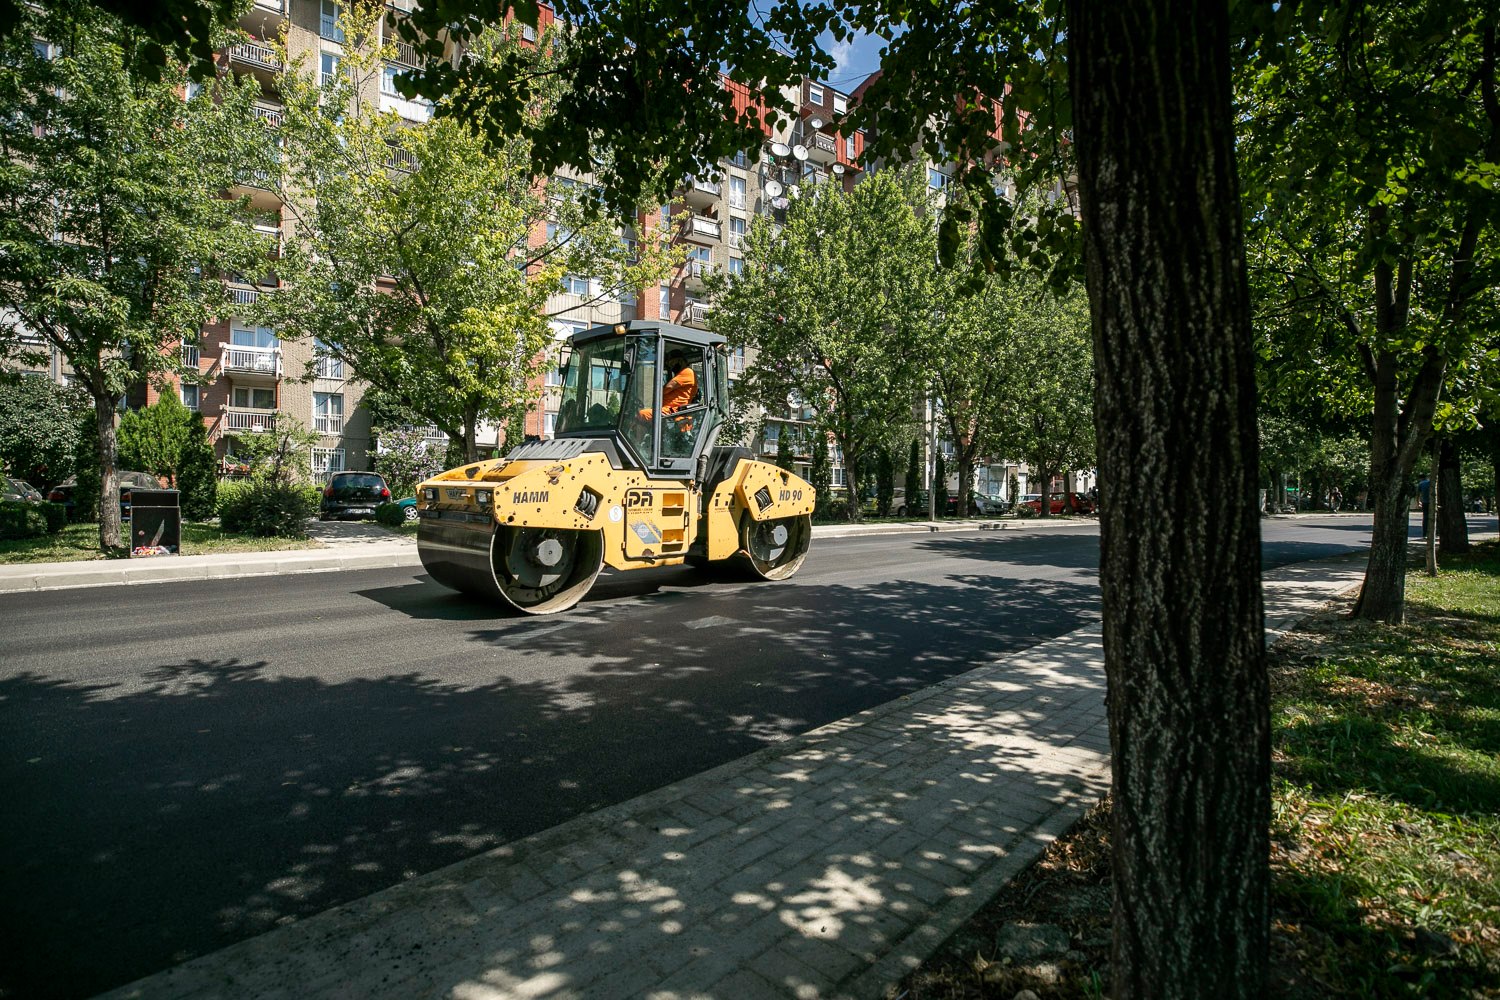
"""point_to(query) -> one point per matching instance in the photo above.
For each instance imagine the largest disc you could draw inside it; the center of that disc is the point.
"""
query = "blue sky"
(856, 58)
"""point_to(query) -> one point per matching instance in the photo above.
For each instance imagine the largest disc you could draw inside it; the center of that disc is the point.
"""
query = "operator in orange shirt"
(681, 391)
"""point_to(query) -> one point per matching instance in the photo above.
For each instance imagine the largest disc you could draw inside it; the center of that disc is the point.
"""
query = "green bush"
(267, 509)
(198, 476)
(56, 515)
(19, 519)
(390, 514)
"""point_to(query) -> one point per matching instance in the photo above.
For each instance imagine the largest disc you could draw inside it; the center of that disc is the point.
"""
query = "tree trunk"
(1452, 526)
(110, 540)
(965, 482)
(1044, 492)
(852, 480)
(1175, 415)
(1383, 596)
(471, 445)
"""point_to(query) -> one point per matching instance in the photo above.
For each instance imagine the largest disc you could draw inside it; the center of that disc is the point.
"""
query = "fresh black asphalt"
(187, 765)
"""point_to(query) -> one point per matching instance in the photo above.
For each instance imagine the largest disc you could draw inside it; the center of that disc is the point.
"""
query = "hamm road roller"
(632, 478)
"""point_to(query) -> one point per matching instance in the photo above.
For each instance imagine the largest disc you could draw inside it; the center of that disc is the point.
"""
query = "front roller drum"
(775, 549)
(539, 571)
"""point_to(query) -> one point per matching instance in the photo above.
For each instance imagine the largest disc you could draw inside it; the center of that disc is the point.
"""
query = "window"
(326, 461)
(259, 336)
(936, 179)
(328, 412)
(736, 192)
(194, 88)
(549, 423)
(815, 94)
(699, 254)
(328, 68)
(739, 159)
(736, 362)
(840, 104)
(664, 302)
(838, 476)
(190, 396)
(558, 234)
(328, 22)
(327, 366)
(528, 32)
(736, 232)
(388, 74)
(253, 398)
(574, 284)
(849, 146)
(736, 266)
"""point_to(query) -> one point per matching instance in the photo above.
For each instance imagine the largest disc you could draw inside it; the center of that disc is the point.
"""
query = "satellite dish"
(773, 188)
(815, 121)
(795, 192)
(799, 151)
(779, 204)
(838, 169)
(780, 149)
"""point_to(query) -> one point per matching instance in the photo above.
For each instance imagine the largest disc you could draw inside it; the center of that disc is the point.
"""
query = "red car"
(1059, 503)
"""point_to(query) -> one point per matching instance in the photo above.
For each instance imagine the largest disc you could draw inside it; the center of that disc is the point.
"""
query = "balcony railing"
(190, 356)
(242, 419)
(406, 54)
(256, 360)
(328, 423)
(271, 116)
(330, 368)
(241, 296)
(255, 54)
(328, 27)
(696, 312)
(430, 432)
(702, 228)
(401, 159)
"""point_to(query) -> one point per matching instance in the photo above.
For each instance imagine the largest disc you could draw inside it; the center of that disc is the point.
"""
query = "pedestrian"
(1335, 499)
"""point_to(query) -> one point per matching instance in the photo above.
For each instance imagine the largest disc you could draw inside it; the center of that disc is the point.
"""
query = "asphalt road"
(188, 765)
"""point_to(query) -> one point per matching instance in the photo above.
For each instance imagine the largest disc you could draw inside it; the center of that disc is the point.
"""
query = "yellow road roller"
(633, 477)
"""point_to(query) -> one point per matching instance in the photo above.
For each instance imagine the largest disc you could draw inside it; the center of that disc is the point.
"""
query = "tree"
(412, 256)
(822, 474)
(885, 481)
(405, 458)
(913, 483)
(115, 230)
(837, 304)
(1371, 150)
(1144, 105)
(282, 456)
(939, 487)
(786, 457)
(198, 473)
(154, 438)
(38, 429)
(1048, 419)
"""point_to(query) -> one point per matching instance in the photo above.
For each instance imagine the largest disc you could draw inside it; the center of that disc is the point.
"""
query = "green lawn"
(1385, 825)
(81, 541)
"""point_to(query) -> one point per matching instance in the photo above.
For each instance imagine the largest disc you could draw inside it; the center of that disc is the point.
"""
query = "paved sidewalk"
(826, 866)
(346, 546)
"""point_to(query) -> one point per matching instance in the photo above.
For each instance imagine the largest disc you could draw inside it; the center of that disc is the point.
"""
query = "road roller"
(633, 477)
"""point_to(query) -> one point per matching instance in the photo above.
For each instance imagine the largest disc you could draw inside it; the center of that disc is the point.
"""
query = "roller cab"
(633, 478)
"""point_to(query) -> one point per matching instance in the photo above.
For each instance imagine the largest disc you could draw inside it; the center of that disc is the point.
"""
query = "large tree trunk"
(1044, 490)
(1383, 596)
(1188, 700)
(1452, 526)
(109, 477)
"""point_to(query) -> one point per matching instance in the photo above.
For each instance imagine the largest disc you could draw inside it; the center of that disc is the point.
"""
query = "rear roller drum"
(542, 571)
(774, 549)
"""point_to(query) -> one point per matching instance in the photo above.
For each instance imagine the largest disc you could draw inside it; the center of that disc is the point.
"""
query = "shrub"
(267, 509)
(21, 520)
(56, 515)
(390, 515)
(198, 475)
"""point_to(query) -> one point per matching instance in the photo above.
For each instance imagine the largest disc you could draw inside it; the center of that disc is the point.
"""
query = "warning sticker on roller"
(646, 531)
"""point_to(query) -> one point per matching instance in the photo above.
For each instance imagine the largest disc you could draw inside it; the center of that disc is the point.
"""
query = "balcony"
(694, 272)
(243, 295)
(406, 53)
(251, 365)
(700, 193)
(823, 148)
(702, 229)
(272, 236)
(430, 432)
(268, 114)
(329, 28)
(400, 159)
(328, 423)
(190, 356)
(242, 419)
(695, 314)
(254, 55)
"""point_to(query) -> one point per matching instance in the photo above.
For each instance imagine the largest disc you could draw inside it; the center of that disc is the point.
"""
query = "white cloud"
(841, 52)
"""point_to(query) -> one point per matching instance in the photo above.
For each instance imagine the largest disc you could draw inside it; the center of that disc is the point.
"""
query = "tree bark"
(109, 476)
(1175, 416)
(1452, 526)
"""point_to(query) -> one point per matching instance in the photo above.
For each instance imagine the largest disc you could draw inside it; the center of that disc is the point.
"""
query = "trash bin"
(155, 522)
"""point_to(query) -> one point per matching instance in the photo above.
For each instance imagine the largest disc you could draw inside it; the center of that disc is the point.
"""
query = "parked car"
(1059, 503)
(353, 494)
(408, 507)
(917, 507)
(988, 504)
(63, 492)
(12, 488)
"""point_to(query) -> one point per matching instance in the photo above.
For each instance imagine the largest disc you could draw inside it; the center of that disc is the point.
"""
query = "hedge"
(19, 519)
(267, 509)
(390, 514)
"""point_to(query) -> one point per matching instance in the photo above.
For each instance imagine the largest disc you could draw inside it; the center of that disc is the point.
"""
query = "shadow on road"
(210, 800)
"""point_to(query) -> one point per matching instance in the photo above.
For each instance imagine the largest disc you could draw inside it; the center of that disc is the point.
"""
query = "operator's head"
(676, 361)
